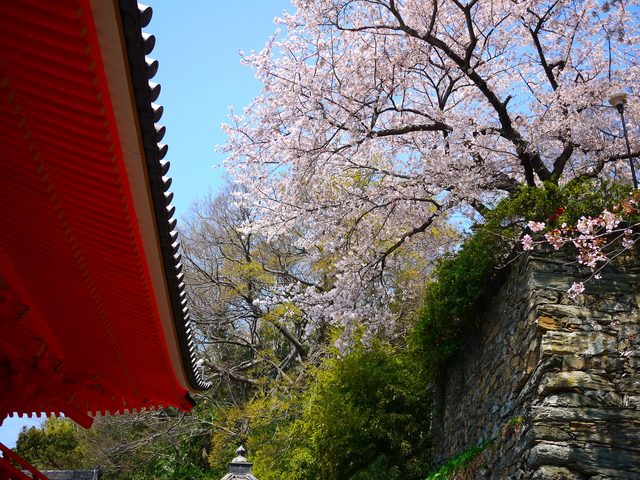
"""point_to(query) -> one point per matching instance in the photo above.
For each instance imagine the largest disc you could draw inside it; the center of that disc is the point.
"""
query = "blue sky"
(197, 43)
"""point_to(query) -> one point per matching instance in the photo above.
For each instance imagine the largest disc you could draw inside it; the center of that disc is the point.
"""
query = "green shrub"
(460, 462)
(366, 416)
(53, 446)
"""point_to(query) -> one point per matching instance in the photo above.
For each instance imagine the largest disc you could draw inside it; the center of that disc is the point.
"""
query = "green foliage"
(515, 421)
(168, 464)
(554, 204)
(258, 425)
(164, 444)
(460, 462)
(365, 416)
(453, 302)
(53, 446)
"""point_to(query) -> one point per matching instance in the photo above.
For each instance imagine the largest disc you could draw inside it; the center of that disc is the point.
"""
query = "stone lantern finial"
(241, 452)
(240, 468)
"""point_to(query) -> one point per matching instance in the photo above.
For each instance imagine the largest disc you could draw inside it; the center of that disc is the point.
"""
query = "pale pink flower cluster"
(536, 226)
(607, 220)
(527, 242)
(576, 289)
(610, 220)
(591, 242)
(587, 226)
(589, 236)
(627, 243)
(590, 252)
(556, 237)
(368, 133)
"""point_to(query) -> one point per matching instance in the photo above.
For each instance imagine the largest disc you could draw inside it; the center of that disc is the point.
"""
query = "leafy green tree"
(53, 446)
(250, 297)
(364, 416)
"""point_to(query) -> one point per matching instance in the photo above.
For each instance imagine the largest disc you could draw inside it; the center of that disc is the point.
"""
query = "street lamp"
(619, 100)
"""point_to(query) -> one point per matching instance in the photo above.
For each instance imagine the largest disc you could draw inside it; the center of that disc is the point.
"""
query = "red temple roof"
(92, 310)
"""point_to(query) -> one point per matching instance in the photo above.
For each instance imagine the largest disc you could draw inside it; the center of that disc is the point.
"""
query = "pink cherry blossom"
(610, 220)
(380, 120)
(576, 289)
(527, 242)
(536, 226)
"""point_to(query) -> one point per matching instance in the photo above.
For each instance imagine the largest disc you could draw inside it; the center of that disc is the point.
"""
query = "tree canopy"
(53, 446)
(381, 118)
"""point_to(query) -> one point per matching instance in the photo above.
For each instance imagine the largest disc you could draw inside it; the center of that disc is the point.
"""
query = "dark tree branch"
(230, 374)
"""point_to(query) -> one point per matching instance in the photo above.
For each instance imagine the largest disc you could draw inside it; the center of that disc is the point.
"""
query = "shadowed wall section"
(556, 381)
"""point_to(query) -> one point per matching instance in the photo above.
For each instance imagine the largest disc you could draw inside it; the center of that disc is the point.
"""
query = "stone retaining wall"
(555, 380)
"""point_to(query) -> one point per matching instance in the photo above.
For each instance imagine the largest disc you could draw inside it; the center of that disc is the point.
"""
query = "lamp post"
(619, 100)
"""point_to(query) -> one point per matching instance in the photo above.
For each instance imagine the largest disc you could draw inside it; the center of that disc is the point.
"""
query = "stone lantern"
(240, 468)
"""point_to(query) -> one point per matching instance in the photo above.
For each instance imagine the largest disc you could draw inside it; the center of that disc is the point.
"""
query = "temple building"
(93, 315)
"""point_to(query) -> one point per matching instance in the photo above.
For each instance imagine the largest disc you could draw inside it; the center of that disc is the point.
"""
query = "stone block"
(604, 362)
(584, 414)
(549, 454)
(612, 399)
(606, 399)
(615, 307)
(587, 458)
(506, 409)
(554, 382)
(571, 311)
(631, 401)
(609, 284)
(634, 362)
(531, 363)
(551, 282)
(629, 384)
(549, 472)
(573, 362)
(544, 431)
(583, 343)
(569, 399)
(548, 323)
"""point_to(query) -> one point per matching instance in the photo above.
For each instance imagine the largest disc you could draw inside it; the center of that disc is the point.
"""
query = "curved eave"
(90, 247)
(141, 137)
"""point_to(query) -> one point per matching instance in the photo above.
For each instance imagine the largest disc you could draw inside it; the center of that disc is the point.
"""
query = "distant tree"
(164, 444)
(249, 297)
(53, 446)
(240, 286)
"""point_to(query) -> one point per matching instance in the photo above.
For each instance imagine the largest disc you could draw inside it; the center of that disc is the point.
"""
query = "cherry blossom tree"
(379, 119)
